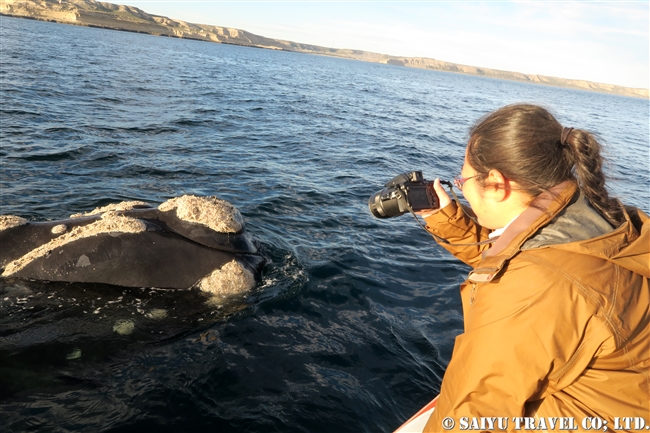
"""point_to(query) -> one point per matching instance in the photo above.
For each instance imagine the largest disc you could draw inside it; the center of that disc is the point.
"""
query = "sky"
(600, 41)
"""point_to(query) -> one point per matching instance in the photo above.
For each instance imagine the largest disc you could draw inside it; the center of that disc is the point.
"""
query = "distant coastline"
(91, 13)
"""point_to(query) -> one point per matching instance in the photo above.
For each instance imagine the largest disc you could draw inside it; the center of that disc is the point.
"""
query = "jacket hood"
(579, 228)
(634, 235)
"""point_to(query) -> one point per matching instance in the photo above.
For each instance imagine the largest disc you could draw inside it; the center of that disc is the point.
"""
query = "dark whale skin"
(170, 253)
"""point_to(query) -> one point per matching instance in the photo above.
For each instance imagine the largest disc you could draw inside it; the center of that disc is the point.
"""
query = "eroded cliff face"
(418, 62)
(128, 18)
(120, 17)
(50, 11)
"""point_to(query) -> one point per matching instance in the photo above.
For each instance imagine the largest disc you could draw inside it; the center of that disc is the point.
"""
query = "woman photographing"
(557, 307)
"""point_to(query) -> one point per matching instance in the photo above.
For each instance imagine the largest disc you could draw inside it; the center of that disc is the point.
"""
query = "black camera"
(404, 193)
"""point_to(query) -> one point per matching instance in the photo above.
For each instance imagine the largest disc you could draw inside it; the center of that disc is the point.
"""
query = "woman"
(556, 309)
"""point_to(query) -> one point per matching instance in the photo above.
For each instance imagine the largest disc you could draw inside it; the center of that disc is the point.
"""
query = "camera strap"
(443, 240)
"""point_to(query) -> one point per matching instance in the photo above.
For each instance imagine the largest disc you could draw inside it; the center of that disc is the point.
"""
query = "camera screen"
(419, 198)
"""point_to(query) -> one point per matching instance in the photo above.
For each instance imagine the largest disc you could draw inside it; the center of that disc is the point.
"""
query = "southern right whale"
(186, 242)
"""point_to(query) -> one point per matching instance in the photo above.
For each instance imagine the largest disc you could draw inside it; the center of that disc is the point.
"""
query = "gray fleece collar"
(576, 222)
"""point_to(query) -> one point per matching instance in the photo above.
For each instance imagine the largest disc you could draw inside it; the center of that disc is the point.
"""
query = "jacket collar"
(541, 211)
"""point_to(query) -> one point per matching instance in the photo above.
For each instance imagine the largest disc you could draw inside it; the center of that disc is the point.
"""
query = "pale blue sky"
(601, 41)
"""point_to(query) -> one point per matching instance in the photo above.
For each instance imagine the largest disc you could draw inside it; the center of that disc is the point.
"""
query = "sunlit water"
(354, 320)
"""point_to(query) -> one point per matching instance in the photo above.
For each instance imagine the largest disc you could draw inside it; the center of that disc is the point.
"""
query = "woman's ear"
(498, 185)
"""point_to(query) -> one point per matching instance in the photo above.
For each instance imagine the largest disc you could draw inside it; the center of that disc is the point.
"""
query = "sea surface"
(354, 320)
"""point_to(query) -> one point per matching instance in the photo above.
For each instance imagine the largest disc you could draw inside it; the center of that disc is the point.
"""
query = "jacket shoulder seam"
(605, 315)
(601, 308)
(567, 276)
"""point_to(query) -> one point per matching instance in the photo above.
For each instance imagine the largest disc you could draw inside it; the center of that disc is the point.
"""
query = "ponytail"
(588, 162)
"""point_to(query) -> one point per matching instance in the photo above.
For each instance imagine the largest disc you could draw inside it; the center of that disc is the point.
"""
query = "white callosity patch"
(156, 314)
(124, 327)
(10, 221)
(219, 215)
(75, 354)
(113, 207)
(59, 229)
(110, 222)
(83, 261)
(231, 279)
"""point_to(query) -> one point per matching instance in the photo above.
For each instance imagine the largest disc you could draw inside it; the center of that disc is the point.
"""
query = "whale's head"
(186, 242)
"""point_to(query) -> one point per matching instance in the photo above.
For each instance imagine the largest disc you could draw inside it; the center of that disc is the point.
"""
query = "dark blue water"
(353, 323)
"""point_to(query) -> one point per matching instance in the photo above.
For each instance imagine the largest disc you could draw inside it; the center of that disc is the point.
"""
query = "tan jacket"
(556, 312)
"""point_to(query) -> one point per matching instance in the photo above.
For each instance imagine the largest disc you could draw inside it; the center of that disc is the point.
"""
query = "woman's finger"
(443, 197)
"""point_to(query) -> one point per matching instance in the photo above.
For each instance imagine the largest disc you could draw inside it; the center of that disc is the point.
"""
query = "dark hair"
(524, 143)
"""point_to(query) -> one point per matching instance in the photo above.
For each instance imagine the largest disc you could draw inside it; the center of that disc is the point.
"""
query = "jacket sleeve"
(454, 224)
(520, 345)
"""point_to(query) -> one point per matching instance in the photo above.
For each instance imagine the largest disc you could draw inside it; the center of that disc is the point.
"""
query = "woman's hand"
(443, 199)
(442, 194)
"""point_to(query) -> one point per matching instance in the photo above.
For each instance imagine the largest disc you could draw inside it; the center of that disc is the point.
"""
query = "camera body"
(404, 193)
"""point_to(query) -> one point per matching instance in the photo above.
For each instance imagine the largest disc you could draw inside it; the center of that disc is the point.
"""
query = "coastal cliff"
(127, 18)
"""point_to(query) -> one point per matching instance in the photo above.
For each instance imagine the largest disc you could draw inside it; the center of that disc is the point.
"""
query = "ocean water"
(354, 320)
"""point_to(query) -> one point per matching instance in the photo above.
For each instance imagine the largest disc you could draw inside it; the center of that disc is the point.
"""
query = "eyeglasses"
(459, 181)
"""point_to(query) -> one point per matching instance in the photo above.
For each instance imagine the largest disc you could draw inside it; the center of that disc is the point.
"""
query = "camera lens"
(375, 210)
(386, 204)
